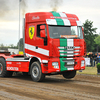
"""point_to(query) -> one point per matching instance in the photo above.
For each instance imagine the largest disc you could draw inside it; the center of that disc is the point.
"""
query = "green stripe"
(63, 42)
(55, 14)
(58, 20)
(62, 68)
(63, 52)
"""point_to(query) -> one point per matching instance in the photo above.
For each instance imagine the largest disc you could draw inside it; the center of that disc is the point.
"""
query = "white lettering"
(18, 63)
(9, 62)
(13, 68)
(35, 17)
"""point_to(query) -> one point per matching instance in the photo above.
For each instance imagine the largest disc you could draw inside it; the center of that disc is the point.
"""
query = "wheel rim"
(35, 71)
(1, 68)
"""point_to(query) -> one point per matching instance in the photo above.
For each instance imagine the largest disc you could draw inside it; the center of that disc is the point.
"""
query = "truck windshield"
(65, 32)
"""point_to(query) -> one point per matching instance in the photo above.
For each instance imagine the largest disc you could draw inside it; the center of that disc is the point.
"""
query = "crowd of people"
(94, 58)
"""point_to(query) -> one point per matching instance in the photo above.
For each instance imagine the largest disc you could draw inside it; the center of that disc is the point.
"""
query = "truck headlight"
(82, 63)
(55, 65)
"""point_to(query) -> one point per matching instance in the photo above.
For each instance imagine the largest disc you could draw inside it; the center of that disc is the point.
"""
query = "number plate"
(69, 63)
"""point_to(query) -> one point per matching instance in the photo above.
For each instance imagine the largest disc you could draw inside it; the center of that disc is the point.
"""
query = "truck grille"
(69, 51)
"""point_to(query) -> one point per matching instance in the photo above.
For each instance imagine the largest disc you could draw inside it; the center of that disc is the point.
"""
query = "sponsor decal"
(35, 17)
(69, 36)
(9, 62)
(18, 63)
(62, 17)
(31, 32)
(13, 68)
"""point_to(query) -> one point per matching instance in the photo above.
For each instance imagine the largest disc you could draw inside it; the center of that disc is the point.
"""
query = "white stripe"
(70, 55)
(76, 50)
(79, 23)
(61, 47)
(70, 43)
(62, 54)
(71, 68)
(51, 22)
(66, 22)
(69, 58)
(61, 51)
(77, 47)
(45, 61)
(17, 59)
(62, 14)
(39, 50)
(76, 53)
(33, 56)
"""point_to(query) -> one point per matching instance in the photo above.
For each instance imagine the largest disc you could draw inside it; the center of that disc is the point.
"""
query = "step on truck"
(53, 44)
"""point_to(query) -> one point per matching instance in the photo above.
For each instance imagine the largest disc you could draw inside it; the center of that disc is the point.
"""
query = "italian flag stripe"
(59, 20)
(56, 14)
(63, 42)
(62, 14)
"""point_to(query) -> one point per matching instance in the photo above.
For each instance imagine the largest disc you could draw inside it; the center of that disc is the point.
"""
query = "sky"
(9, 14)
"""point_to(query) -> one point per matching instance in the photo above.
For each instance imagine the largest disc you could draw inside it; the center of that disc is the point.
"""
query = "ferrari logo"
(31, 32)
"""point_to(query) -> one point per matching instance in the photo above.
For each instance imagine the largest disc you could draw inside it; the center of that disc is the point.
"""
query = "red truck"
(53, 44)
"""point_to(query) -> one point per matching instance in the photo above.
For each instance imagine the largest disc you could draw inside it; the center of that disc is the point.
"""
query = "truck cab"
(53, 44)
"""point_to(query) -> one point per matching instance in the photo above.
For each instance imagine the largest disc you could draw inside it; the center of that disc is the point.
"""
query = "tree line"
(91, 37)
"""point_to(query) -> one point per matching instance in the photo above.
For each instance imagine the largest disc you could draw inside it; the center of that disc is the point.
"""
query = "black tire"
(3, 71)
(36, 72)
(69, 74)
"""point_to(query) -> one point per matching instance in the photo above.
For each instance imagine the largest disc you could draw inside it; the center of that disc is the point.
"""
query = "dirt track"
(82, 87)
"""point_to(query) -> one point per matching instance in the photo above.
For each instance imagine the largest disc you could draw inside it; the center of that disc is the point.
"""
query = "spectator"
(95, 58)
(98, 59)
(87, 55)
(91, 58)
(13, 53)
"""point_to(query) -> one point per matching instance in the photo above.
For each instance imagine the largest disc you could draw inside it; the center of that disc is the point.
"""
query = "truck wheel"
(69, 74)
(3, 71)
(36, 72)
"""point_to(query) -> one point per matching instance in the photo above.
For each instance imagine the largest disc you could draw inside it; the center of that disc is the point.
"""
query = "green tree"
(89, 35)
(97, 41)
(3, 47)
(20, 44)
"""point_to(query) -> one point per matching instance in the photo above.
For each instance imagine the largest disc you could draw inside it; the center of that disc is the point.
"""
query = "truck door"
(42, 40)
(29, 38)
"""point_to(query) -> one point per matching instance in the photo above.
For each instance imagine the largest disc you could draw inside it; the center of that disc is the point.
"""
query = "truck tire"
(69, 74)
(3, 71)
(36, 72)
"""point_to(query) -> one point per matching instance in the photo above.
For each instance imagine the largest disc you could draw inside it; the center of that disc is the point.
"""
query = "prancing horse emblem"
(31, 32)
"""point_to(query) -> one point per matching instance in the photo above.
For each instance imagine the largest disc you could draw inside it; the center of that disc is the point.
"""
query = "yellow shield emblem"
(31, 32)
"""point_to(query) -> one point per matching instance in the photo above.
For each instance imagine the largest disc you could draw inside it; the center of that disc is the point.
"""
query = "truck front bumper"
(63, 64)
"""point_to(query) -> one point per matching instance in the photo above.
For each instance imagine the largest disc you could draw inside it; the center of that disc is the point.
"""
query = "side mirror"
(42, 27)
(83, 31)
(42, 33)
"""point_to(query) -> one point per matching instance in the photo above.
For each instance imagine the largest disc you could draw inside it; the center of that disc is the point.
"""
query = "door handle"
(36, 47)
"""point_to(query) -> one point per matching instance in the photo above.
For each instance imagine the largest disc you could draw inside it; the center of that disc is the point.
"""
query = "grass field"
(89, 70)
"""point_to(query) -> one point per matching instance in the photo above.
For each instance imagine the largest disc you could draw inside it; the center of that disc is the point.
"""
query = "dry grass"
(89, 70)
